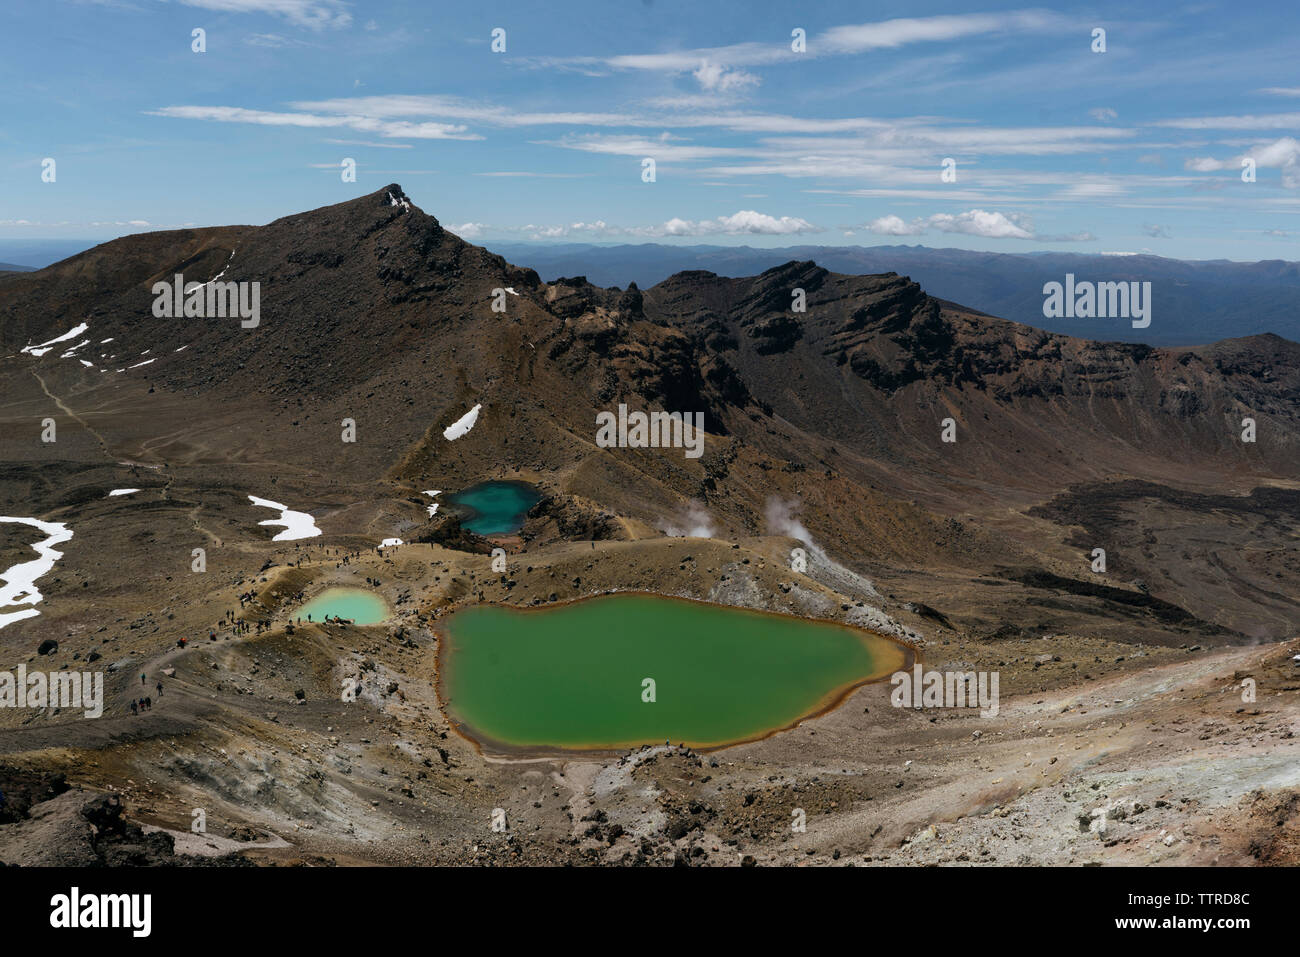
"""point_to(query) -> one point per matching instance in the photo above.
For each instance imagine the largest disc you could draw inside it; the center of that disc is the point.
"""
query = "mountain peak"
(396, 197)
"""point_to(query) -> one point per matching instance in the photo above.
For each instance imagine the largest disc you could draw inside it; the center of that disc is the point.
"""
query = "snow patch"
(433, 509)
(122, 491)
(19, 581)
(44, 347)
(462, 425)
(296, 524)
(390, 541)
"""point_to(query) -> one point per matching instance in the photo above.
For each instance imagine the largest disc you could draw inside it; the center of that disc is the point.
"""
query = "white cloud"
(364, 124)
(377, 146)
(846, 40)
(894, 226)
(1103, 114)
(467, 230)
(977, 222)
(716, 78)
(314, 14)
(663, 148)
(524, 174)
(1270, 121)
(746, 222)
(272, 41)
(889, 34)
(795, 146)
(1282, 154)
(973, 222)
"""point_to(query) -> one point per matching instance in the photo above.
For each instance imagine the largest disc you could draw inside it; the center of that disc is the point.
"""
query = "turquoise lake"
(356, 604)
(494, 508)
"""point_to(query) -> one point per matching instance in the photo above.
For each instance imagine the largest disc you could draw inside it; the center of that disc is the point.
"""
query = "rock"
(48, 647)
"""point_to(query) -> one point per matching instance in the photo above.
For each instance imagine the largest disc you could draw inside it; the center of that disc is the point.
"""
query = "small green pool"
(494, 508)
(359, 606)
(573, 675)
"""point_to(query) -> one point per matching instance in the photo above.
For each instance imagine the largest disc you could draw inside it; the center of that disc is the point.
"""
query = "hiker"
(142, 677)
(133, 707)
(160, 689)
(148, 703)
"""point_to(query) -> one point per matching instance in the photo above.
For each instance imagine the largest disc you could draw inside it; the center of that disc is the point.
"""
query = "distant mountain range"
(1193, 302)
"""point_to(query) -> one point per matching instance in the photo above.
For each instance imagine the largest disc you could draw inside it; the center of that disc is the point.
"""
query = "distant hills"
(1194, 302)
(22, 255)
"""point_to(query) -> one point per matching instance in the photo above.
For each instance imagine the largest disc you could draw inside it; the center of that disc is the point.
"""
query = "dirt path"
(63, 407)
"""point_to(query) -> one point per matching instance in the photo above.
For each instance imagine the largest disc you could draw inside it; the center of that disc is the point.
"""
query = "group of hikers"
(238, 626)
(146, 703)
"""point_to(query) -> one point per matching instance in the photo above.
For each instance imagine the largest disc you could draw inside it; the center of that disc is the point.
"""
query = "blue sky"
(1056, 146)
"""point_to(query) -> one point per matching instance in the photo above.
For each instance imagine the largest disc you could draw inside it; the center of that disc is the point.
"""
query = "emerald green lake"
(571, 676)
(494, 508)
(361, 606)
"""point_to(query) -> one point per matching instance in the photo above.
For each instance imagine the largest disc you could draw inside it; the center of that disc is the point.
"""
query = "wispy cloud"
(845, 40)
(364, 124)
(1269, 121)
(372, 145)
(272, 41)
(313, 14)
(746, 222)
